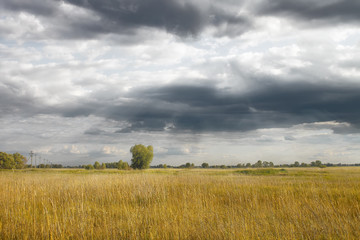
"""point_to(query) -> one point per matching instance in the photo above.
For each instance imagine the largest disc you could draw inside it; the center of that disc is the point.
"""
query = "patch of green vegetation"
(263, 172)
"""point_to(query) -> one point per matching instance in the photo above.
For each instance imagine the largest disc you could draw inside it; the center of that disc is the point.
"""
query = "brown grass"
(178, 204)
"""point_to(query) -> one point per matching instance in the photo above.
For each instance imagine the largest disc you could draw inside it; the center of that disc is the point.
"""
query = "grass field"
(308, 203)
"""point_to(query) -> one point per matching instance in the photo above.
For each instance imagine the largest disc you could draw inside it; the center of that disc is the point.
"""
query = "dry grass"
(178, 204)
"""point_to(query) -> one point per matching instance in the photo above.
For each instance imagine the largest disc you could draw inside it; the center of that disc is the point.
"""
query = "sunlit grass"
(180, 204)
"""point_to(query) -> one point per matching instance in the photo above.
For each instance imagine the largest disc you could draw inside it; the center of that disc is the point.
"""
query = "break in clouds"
(229, 81)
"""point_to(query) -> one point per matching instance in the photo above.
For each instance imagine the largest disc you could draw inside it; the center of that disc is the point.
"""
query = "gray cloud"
(275, 105)
(183, 18)
(204, 109)
(179, 108)
(14, 99)
(94, 131)
(310, 10)
(38, 7)
(126, 18)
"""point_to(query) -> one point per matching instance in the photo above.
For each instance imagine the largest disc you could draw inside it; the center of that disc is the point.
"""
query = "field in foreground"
(181, 204)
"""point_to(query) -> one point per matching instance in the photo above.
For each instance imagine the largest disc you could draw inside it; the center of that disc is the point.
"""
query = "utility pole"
(31, 157)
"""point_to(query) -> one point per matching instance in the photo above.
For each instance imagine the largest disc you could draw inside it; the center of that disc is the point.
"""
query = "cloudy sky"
(222, 82)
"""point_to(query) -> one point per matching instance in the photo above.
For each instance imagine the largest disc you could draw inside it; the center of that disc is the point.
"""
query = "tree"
(318, 163)
(205, 165)
(189, 165)
(20, 160)
(89, 167)
(304, 165)
(258, 164)
(112, 165)
(123, 165)
(11, 161)
(41, 165)
(97, 165)
(141, 156)
(240, 165)
(103, 166)
(163, 165)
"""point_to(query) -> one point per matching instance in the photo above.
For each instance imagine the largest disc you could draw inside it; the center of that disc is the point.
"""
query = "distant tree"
(41, 165)
(189, 165)
(205, 165)
(6, 161)
(141, 156)
(123, 165)
(223, 166)
(271, 164)
(89, 167)
(248, 165)
(317, 163)
(103, 166)
(56, 166)
(12, 161)
(97, 165)
(20, 160)
(112, 165)
(165, 166)
(258, 164)
(296, 164)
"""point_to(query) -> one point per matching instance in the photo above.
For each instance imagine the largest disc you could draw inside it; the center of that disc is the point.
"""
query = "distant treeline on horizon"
(258, 164)
(16, 160)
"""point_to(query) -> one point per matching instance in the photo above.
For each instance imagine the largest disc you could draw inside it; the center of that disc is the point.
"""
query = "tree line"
(259, 164)
(142, 157)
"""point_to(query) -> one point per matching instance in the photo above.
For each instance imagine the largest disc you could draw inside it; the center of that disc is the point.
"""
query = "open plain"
(292, 203)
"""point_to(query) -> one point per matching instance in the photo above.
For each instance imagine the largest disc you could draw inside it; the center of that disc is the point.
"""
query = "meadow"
(293, 203)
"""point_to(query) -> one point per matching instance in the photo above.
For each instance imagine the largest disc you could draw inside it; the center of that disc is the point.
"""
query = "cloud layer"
(90, 78)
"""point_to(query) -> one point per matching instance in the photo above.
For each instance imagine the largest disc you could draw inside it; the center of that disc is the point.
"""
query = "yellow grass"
(180, 204)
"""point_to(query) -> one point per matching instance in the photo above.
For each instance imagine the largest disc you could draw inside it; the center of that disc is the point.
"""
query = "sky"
(222, 82)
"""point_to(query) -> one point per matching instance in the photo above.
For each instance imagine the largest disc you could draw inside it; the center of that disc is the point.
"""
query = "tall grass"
(304, 204)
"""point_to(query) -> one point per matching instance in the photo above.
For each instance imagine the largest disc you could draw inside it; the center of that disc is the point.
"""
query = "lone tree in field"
(141, 156)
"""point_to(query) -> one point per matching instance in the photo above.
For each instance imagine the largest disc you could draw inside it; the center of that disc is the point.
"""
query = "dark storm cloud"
(15, 100)
(208, 109)
(127, 17)
(183, 18)
(38, 7)
(308, 10)
(197, 109)
(323, 102)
